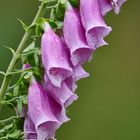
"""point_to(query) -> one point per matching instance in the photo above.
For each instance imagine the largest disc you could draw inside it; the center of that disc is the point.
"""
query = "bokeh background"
(108, 107)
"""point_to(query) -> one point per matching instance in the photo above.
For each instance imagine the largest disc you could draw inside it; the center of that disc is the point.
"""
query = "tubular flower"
(74, 36)
(108, 5)
(63, 95)
(41, 112)
(54, 57)
(29, 129)
(93, 22)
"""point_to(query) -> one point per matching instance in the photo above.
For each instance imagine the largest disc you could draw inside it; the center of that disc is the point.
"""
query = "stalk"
(19, 50)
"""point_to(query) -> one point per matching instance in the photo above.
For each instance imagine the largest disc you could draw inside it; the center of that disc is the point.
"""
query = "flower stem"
(19, 50)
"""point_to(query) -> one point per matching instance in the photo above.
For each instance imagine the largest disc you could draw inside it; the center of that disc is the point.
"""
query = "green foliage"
(60, 10)
(12, 128)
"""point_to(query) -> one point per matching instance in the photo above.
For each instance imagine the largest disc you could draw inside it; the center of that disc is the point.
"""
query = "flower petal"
(79, 73)
(118, 4)
(63, 95)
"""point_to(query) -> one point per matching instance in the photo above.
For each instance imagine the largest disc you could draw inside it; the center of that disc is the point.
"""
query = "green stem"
(19, 50)
(9, 119)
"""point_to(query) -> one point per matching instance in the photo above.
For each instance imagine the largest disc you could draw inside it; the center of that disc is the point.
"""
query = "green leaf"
(37, 71)
(9, 119)
(25, 27)
(30, 47)
(17, 83)
(19, 106)
(2, 73)
(28, 75)
(15, 135)
(9, 48)
(8, 96)
(60, 10)
(24, 99)
(37, 60)
(47, 1)
(6, 129)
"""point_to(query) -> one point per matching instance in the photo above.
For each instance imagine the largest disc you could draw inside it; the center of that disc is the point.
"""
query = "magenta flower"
(75, 38)
(108, 5)
(29, 129)
(63, 95)
(93, 22)
(41, 112)
(54, 57)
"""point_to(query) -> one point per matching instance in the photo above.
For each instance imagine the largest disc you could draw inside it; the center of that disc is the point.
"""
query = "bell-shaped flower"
(41, 112)
(108, 5)
(63, 95)
(93, 22)
(74, 36)
(54, 57)
(29, 129)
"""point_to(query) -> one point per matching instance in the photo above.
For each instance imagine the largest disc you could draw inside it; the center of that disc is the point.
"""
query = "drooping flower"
(29, 129)
(41, 112)
(108, 5)
(74, 36)
(54, 57)
(63, 95)
(93, 22)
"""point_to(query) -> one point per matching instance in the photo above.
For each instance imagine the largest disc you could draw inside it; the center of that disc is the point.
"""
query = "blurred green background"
(109, 100)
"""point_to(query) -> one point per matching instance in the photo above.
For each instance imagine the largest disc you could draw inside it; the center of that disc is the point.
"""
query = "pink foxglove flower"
(93, 22)
(63, 95)
(29, 129)
(74, 36)
(54, 57)
(108, 5)
(41, 112)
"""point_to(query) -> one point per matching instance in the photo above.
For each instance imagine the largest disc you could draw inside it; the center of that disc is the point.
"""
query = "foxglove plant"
(47, 82)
